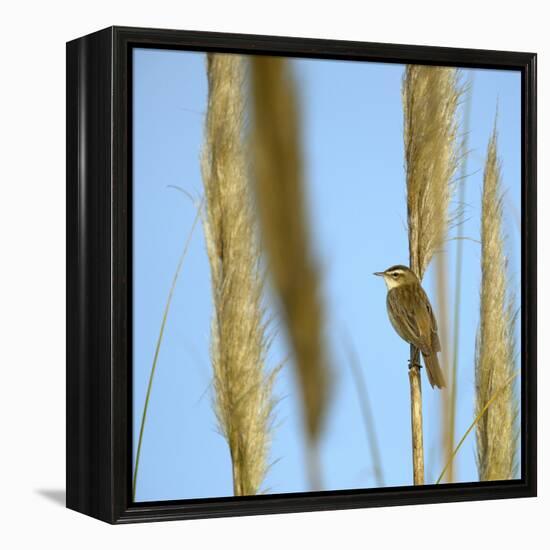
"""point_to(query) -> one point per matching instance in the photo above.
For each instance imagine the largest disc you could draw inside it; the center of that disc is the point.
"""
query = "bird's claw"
(414, 364)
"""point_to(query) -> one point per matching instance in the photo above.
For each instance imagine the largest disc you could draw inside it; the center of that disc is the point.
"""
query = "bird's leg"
(415, 359)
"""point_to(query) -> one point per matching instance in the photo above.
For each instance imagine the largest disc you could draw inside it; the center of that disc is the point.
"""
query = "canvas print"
(326, 275)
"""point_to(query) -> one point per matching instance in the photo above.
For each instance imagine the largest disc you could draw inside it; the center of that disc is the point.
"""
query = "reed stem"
(430, 98)
(416, 419)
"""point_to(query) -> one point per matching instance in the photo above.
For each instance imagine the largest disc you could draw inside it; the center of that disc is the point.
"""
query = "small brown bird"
(412, 317)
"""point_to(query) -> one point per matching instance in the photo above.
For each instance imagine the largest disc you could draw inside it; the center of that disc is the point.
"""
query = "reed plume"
(430, 100)
(242, 385)
(282, 209)
(495, 431)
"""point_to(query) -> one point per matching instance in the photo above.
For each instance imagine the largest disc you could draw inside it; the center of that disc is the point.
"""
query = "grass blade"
(366, 412)
(157, 348)
(475, 422)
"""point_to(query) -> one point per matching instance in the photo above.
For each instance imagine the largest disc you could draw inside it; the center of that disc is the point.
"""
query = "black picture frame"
(99, 221)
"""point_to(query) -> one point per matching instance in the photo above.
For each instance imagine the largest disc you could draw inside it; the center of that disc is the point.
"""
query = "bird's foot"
(414, 364)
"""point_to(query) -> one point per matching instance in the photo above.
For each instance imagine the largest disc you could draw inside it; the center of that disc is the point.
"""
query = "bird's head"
(398, 275)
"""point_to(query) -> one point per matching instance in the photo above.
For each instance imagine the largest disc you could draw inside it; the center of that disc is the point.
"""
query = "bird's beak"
(379, 273)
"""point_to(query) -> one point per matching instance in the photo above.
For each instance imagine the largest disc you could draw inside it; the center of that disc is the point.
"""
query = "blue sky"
(353, 152)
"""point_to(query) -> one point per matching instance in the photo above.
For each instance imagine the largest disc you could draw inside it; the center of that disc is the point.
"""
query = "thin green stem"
(474, 423)
(157, 348)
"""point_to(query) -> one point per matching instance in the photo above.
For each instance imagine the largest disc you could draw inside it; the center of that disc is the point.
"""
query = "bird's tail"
(435, 374)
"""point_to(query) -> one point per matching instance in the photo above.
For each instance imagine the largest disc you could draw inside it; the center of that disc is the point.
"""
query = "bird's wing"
(411, 317)
(436, 344)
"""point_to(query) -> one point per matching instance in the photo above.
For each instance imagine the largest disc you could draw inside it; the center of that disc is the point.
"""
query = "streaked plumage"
(412, 317)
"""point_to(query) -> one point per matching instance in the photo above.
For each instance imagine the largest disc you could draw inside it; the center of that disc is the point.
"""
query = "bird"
(412, 317)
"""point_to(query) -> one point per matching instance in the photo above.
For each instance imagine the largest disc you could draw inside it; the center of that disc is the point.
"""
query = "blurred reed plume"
(430, 100)
(239, 344)
(496, 429)
(283, 216)
(442, 290)
(450, 401)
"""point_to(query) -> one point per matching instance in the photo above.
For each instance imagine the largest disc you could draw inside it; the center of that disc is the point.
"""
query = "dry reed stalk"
(417, 433)
(282, 208)
(242, 386)
(496, 433)
(430, 99)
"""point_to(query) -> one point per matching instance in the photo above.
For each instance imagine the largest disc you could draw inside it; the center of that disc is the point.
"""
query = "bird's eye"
(395, 274)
